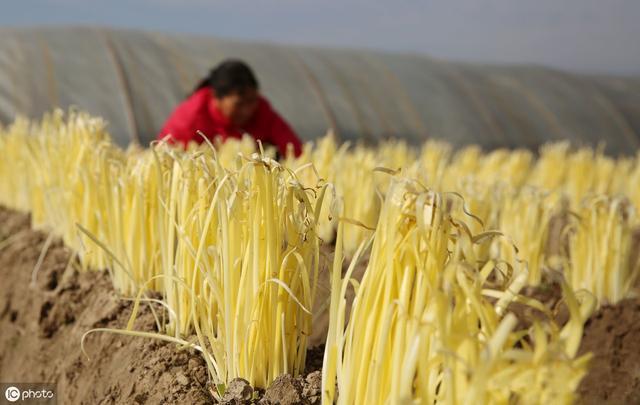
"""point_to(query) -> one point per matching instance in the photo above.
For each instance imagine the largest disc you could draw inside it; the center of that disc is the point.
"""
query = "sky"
(593, 36)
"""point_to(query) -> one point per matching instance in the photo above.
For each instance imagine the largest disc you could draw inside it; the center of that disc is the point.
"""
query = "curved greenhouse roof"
(134, 79)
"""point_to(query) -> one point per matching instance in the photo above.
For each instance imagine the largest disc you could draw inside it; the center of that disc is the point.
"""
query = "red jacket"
(198, 113)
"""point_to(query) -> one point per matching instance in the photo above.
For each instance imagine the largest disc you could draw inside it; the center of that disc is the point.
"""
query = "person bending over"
(228, 104)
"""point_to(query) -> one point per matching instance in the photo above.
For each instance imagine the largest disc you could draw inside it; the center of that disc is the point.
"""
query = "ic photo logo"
(28, 393)
(12, 394)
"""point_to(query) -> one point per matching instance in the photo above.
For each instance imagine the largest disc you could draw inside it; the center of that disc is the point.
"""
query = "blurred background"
(493, 72)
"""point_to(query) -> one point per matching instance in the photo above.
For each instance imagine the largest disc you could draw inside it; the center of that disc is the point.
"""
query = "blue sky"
(583, 35)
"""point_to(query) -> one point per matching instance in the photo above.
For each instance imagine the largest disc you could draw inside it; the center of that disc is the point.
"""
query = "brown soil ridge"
(42, 326)
(613, 336)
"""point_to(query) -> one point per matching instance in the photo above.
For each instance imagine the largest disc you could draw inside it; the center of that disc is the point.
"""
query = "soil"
(42, 323)
(613, 336)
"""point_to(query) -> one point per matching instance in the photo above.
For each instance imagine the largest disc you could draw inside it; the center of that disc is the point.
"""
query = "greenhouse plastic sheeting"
(134, 79)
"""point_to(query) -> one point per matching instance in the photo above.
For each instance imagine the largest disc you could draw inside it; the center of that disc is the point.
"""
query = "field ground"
(42, 324)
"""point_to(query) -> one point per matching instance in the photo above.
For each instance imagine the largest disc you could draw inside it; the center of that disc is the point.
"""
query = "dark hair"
(229, 76)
